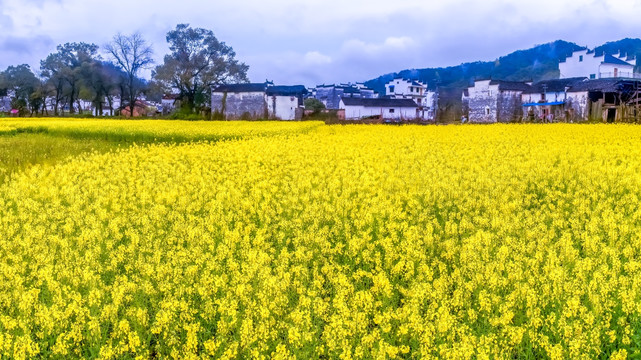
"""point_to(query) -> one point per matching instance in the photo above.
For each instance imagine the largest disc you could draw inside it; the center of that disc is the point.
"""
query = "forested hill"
(538, 63)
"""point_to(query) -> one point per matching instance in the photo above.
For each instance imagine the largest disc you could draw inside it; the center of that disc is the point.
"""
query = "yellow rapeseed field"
(155, 130)
(313, 241)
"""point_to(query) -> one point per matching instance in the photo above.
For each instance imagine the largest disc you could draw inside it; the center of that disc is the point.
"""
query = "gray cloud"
(316, 41)
(26, 46)
(24, 50)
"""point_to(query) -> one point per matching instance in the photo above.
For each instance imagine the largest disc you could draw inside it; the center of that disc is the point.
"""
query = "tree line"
(112, 74)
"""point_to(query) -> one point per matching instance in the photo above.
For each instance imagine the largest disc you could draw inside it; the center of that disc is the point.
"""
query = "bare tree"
(132, 54)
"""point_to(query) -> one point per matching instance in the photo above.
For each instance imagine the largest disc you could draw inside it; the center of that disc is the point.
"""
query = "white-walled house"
(285, 102)
(381, 108)
(589, 64)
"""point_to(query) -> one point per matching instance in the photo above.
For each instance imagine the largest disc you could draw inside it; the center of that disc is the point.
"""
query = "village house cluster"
(404, 99)
(590, 86)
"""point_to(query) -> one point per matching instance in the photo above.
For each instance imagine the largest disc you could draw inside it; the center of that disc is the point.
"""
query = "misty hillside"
(538, 63)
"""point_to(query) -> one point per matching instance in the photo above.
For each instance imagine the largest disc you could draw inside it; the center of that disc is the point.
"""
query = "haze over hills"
(538, 63)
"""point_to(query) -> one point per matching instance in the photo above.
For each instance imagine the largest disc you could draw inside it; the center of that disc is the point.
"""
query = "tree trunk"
(111, 105)
(132, 96)
(71, 100)
(122, 99)
(55, 109)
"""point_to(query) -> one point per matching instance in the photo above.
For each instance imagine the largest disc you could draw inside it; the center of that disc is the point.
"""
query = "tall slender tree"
(51, 72)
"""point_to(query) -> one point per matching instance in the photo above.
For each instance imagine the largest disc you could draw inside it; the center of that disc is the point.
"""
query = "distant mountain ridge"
(538, 63)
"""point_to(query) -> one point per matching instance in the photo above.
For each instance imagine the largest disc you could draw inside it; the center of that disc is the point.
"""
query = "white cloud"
(390, 46)
(316, 58)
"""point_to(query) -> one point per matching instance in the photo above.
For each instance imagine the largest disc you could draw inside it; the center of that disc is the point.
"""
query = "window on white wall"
(487, 110)
(391, 111)
(581, 58)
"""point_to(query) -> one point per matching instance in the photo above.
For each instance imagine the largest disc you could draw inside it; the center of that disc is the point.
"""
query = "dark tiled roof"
(609, 59)
(381, 102)
(603, 85)
(241, 88)
(556, 85)
(345, 88)
(511, 85)
(350, 90)
(286, 90)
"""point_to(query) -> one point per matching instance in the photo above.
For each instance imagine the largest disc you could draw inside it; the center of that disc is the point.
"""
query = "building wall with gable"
(244, 105)
(582, 64)
(482, 102)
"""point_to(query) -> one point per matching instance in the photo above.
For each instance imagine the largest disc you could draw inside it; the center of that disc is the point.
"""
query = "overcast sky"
(313, 42)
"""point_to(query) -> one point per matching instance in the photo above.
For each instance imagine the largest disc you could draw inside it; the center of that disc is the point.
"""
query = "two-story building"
(592, 65)
(427, 101)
